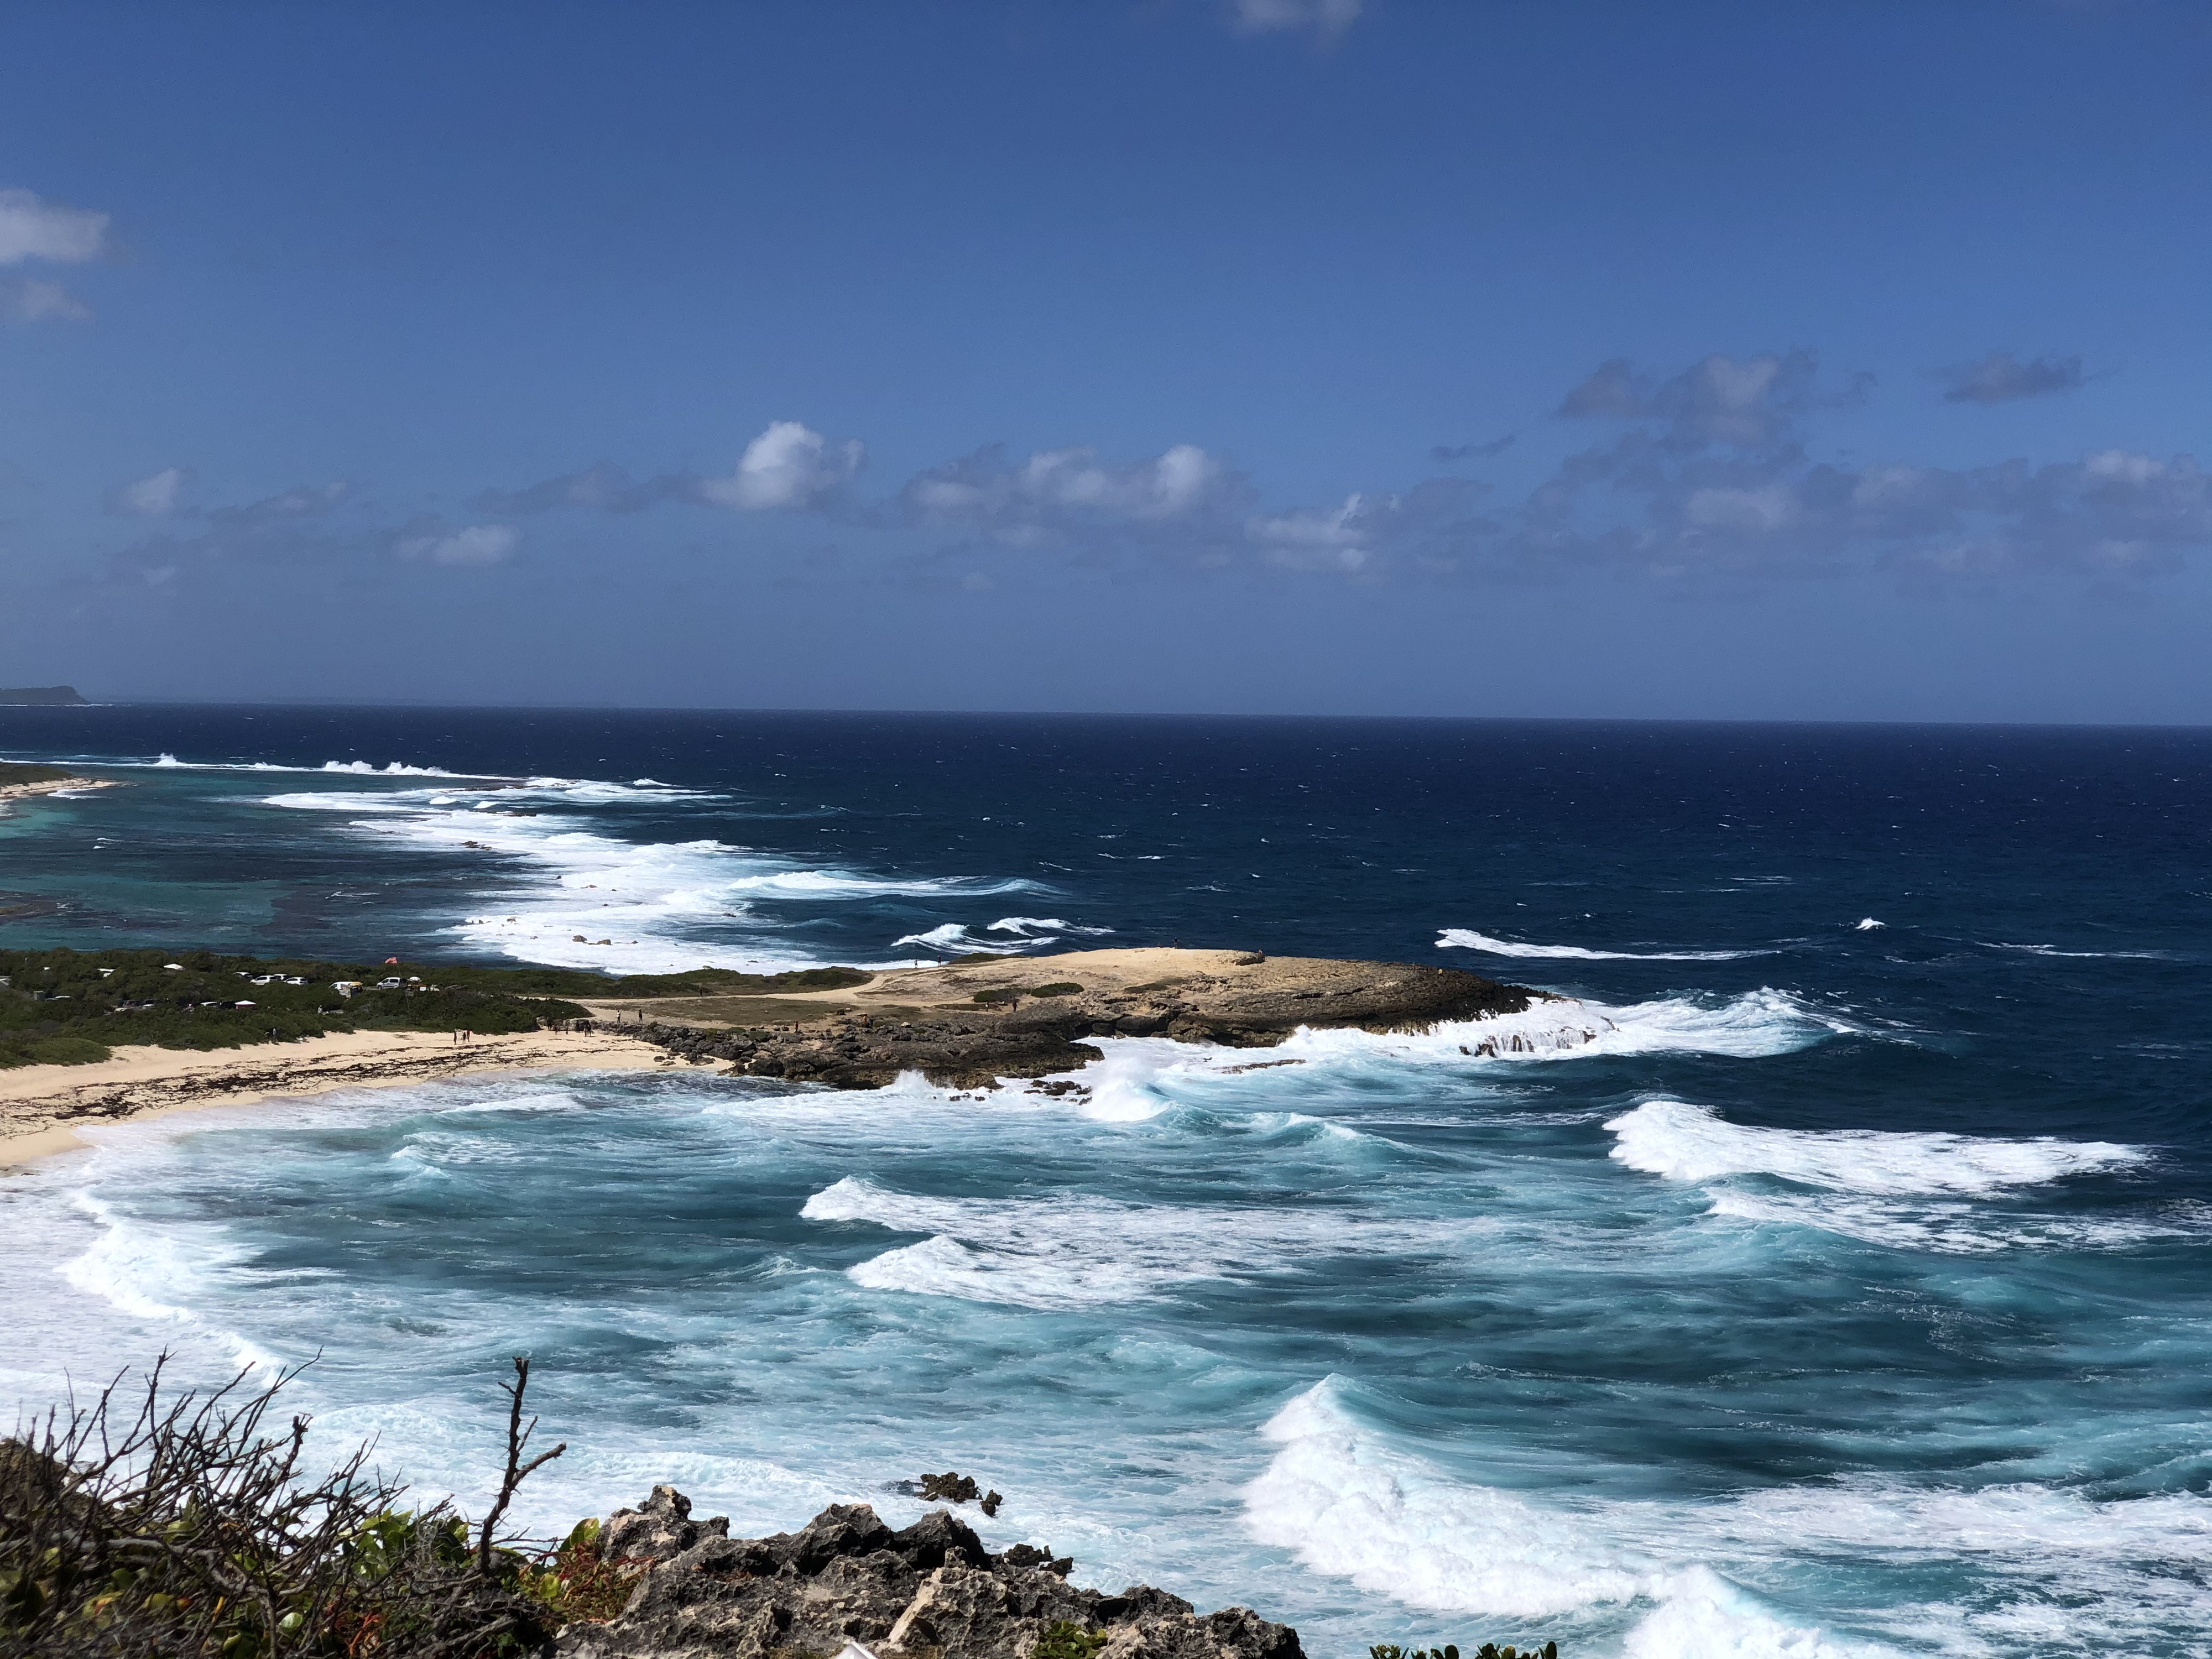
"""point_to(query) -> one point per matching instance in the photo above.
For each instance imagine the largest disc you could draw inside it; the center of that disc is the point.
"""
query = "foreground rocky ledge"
(975, 1021)
(928, 1591)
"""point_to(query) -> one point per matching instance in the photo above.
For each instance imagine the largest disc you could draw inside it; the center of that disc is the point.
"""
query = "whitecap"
(589, 900)
(147, 1272)
(1684, 1142)
(1349, 1504)
(1754, 1025)
(2085, 955)
(1027, 934)
(168, 762)
(1465, 938)
(1078, 1251)
(2055, 1568)
(1958, 1228)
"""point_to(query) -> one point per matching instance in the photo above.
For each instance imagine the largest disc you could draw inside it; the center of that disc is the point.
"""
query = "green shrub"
(1059, 988)
(1004, 994)
(186, 1527)
(1065, 1639)
(103, 999)
(66, 1051)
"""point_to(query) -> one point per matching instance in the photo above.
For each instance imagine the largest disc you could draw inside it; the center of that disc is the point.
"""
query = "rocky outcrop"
(1030, 1018)
(927, 1591)
(859, 1052)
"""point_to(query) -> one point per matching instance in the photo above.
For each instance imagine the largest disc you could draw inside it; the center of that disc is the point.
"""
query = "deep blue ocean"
(1852, 1293)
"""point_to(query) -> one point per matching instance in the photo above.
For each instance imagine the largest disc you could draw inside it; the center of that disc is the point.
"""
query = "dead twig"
(518, 1441)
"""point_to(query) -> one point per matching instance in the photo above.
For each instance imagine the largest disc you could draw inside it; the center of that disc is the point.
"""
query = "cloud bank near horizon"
(1705, 474)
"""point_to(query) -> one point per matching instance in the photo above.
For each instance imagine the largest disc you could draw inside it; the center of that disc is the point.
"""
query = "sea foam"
(582, 898)
(2058, 1568)
(1076, 1251)
(1752, 1025)
(1904, 1190)
(1350, 1505)
(1465, 938)
(1684, 1142)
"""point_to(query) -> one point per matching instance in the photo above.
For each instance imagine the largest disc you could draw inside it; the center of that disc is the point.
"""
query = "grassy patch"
(69, 1007)
(18, 772)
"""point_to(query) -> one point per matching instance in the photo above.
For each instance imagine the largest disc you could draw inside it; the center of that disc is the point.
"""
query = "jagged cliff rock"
(928, 1591)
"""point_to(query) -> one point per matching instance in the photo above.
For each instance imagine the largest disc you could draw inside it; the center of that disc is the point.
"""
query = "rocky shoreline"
(926, 1591)
(971, 1023)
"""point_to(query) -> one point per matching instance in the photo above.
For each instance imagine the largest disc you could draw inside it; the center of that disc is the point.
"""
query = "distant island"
(49, 695)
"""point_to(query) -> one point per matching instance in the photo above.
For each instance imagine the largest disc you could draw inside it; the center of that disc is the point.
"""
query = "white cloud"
(1317, 538)
(1367, 533)
(32, 228)
(1162, 487)
(1312, 527)
(1749, 402)
(788, 467)
(301, 501)
(156, 497)
(1769, 507)
(32, 301)
(479, 543)
(2001, 378)
(1056, 492)
(2118, 466)
(1327, 18)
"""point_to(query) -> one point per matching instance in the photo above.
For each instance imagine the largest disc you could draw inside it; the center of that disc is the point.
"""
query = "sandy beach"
(51, 787)
(41, 1107)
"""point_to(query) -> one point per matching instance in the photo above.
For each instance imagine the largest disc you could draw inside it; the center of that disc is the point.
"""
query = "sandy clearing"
(41, 1107)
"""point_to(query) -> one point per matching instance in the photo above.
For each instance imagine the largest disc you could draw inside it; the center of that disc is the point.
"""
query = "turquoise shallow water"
(1849, 1292)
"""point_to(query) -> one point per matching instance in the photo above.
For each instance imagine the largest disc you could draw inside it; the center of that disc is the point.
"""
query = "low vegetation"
(17, 772)
(1065, 1639)
(70, 1007)
(152, 1526)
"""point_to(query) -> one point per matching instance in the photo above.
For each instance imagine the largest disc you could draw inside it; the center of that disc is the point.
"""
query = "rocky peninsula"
(931, 1591)
(18, 779)
(967, 1023)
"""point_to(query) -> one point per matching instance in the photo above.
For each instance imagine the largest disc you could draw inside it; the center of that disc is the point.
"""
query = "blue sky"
(1759, 361)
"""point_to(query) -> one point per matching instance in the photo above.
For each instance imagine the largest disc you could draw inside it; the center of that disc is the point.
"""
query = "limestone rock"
(660, 1531)
(928, 1591)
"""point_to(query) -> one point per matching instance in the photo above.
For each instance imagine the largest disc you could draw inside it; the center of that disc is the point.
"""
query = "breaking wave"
(1900, 1190)
(1351, 1505)
(584, 899)
(1022, 934)
(2085, 955)
(1465, 938)
(2062, 1567)
(1682, 1142)
(1080, 1252)
(1751, 1026)
(359, 768)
